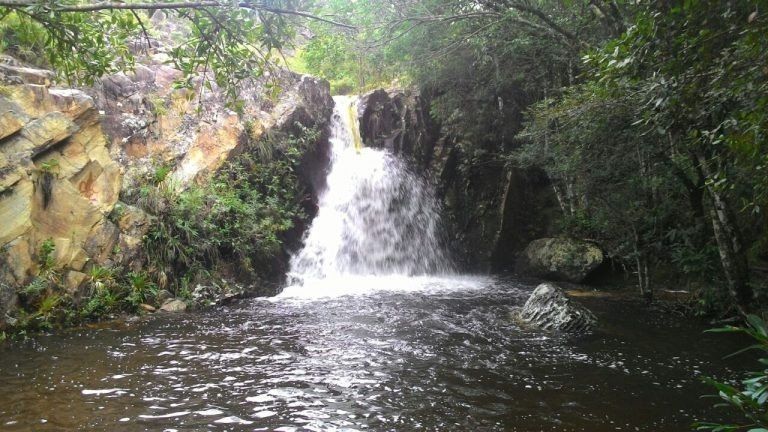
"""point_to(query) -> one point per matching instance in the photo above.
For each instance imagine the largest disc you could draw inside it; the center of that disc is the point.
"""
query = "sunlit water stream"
(374, 332)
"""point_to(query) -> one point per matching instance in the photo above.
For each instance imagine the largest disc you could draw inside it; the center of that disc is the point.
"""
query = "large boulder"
(561, 259)
(548, 308)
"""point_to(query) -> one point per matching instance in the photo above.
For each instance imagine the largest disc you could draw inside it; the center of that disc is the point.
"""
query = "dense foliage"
(46, 303)
(352, 59)
(227, 42)
(239, 217)
(674, 110)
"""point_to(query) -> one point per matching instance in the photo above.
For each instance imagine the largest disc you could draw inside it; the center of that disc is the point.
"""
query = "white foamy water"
(377, 227)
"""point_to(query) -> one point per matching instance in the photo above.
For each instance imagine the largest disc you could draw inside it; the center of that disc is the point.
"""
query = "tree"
(228, 41)
(699, 71)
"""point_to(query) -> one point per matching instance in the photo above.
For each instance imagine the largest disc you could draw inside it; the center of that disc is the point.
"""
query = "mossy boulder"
(562, 259)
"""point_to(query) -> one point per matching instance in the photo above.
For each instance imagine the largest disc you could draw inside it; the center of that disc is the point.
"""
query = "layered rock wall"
(58, 182)
(70, 159)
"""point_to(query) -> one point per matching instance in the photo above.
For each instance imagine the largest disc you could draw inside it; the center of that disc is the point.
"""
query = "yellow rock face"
(10, 123)
(16, 211)
(57, 181)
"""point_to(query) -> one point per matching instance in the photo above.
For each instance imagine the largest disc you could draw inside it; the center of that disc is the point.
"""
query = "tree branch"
(16, 4)
(143, 29)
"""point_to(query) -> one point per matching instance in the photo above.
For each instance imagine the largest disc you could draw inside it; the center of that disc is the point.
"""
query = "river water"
(374, 332)
(426, 354)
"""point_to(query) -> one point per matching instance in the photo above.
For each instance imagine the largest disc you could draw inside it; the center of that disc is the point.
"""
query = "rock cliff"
(69, 157)
(488, 206)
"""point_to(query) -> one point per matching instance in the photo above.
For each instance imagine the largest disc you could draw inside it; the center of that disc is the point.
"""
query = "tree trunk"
(560, 198)
(732, 255)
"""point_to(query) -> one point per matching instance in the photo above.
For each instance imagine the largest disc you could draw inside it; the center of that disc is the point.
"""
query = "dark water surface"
(445, 357)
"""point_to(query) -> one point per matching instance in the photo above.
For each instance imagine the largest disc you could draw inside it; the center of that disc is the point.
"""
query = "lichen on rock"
(562, 259)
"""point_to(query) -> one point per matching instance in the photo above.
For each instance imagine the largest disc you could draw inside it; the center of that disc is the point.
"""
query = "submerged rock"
(561, 259)
(174, 305)
(216, 294)
(550, 309)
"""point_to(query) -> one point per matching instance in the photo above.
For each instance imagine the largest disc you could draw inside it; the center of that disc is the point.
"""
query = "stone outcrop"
(399, 121)
(70, 159)
(561, 259)
(57, 182)
(487, 204)
(151, 124)
(548, 308)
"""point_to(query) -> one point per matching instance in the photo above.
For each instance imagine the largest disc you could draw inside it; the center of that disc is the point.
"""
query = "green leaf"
(758, 324)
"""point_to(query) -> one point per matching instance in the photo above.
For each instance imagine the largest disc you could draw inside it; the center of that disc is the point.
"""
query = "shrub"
(750, 399)
(240, 215)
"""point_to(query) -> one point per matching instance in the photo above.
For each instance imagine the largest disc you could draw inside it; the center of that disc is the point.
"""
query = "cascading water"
(375, 218)
(447, 357)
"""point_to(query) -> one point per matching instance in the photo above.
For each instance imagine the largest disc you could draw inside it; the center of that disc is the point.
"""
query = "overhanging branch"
(93, 7)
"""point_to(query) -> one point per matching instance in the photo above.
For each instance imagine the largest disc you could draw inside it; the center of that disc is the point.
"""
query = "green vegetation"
(227, 42)
(750, 401)
(648, 119)
(668, 136)
(355, 59)
(239, 217)
(47, 303)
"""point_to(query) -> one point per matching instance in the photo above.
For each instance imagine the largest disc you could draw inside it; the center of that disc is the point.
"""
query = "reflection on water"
(436, 355)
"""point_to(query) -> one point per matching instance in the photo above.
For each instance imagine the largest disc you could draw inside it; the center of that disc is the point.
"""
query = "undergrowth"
(239, 217)
(45, 302)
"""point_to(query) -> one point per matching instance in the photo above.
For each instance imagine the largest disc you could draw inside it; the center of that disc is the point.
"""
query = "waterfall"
(375, 218)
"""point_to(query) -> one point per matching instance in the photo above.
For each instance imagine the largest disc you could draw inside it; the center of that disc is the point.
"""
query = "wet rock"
(561, 259)
(549, 308)
(217, 294)
(491, 210)
(399, 121)
(174, 305)
(147, 308)
(163, 296)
